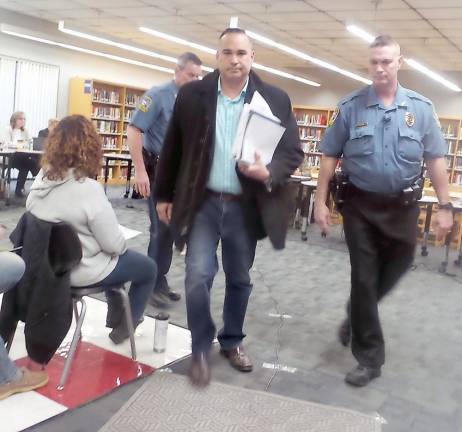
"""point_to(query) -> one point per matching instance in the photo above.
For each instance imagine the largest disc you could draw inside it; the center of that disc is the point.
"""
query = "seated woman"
(64, 191)
(17, 135)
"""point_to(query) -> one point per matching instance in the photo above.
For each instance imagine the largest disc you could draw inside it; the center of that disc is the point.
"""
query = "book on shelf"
(107, 96)
(306, 119)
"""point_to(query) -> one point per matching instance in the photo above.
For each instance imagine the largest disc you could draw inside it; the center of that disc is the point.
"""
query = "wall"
(77, 64)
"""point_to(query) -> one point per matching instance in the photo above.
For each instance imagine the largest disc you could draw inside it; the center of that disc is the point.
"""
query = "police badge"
(410, 119)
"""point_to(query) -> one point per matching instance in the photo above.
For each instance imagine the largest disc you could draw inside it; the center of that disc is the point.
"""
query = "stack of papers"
(258, 131)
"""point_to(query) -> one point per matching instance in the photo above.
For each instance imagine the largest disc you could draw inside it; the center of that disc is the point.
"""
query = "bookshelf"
(312, 123)
(110, 107)
(451, 128)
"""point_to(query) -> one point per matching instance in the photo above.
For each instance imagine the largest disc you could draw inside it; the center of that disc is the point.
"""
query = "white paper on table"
(128, 233)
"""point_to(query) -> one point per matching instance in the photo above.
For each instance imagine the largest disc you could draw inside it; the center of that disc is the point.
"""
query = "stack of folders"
(258, 131)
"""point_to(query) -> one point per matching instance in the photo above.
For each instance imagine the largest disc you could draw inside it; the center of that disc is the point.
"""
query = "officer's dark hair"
(383, 40)
(187, 57)
(232, 30)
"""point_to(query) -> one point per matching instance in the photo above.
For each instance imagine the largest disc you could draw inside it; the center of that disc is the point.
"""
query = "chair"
(65, 252)
(78, 295)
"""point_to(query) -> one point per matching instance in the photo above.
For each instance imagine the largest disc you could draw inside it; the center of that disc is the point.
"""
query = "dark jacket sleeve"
(168, 166)
(288, 155)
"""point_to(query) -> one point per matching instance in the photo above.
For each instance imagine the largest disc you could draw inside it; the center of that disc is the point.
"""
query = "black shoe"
(199, 371)
(173, 295)
(115, 310)
(158, 299)
(361, 376)
(120, 333)
(344, 332)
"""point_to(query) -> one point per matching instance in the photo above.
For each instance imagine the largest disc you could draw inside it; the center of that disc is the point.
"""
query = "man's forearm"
(326, 172)
(439, 177)
(135, 144)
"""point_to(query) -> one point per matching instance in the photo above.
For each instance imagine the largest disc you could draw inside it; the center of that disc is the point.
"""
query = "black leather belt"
(224, 196)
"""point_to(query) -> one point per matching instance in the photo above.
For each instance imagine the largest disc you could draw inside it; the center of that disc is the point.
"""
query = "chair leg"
(73, 348)
(129, 319)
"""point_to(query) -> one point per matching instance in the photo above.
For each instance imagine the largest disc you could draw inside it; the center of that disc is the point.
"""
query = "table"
(298, 203)
(430, 201)
(307, 206)
(5, 173)
(118, 157)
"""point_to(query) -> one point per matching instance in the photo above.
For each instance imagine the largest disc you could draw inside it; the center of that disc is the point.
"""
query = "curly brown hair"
(73, 143)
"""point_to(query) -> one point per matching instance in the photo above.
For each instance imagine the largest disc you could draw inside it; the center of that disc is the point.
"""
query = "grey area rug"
(168, 403)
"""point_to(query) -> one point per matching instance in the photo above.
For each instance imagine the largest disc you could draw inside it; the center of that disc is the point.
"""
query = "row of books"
(105, 126)
(311, 119)
(103, 95)
(132, 99)
(307, 133)
(109, 142)
(106, 112)
(457, 179)
(310, 147)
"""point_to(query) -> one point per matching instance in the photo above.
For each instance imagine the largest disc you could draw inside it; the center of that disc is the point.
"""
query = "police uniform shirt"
(153, 114)
(383, 148)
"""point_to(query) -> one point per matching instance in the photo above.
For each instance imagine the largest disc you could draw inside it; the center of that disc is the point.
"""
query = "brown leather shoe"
(238, 359)
(199, 371)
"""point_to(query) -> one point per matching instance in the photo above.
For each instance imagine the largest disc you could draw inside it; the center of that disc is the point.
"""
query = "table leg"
(8, 181)
(428, 217)
(129, 176)
(305, 213)
(106, 174)
(444, 265)
(298, 206)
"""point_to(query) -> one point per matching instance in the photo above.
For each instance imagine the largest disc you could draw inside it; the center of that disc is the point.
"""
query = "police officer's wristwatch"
(446, 206)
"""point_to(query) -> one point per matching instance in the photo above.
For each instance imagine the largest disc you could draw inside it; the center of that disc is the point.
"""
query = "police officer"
(383, 132)
(145, 136)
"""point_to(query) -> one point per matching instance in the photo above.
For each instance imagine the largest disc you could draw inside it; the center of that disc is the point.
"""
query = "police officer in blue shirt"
(145, 136)
(383, 132)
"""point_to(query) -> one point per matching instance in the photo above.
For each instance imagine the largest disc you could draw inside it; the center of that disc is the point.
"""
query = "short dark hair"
(232, 30)
(383, 40)
(187, 57)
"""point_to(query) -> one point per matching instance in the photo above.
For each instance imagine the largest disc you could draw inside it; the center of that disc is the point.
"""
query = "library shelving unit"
(312, 123)
(110, 107)
(451, 128)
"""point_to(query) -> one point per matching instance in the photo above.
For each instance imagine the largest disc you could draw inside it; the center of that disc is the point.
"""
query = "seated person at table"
(64, 191)
(17, 136)
(45, 132)
(13, 379)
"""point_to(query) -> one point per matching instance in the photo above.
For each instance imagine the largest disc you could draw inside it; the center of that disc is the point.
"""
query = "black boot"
(115, 309)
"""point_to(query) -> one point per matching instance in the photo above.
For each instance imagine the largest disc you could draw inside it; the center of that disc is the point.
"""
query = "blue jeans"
(11, 270)
(138, 269)
(160, 247)
(217, 220)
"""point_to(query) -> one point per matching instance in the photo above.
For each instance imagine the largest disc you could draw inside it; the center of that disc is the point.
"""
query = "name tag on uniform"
(361, 125)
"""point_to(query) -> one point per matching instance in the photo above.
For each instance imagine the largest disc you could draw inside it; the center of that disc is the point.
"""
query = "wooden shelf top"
(95, 101)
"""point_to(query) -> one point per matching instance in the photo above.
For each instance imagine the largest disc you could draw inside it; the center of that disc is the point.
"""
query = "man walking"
(383, 132)
(145, 136)
(207, 198)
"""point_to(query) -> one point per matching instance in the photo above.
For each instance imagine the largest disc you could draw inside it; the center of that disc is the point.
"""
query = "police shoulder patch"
(145, 103)
(435, 116)
(334, 116)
